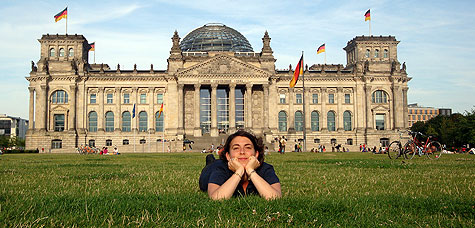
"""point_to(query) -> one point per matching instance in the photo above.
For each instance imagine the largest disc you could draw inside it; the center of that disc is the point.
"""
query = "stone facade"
(367, 98)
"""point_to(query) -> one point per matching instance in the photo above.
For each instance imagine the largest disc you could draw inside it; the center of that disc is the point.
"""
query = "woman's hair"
(256, 142)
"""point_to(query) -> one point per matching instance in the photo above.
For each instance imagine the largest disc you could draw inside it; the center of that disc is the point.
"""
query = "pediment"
(381, 108)
(223, 65)
(59, 108)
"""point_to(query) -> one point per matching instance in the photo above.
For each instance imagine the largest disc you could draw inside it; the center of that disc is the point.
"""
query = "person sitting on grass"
(240, 171)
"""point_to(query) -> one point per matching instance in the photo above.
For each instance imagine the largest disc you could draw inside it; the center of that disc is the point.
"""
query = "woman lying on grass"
(241, 170)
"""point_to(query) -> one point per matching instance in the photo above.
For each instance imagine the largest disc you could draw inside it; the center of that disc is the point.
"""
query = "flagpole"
(325, 55)
(66, 21)
(304, 114)
(370, 27)
(94, 52)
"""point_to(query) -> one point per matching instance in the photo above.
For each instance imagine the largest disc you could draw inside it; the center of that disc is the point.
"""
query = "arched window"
(331, 121)
(52, 52)
(126, 122)
(143, 121)
(59, 97)
(385, 53)
(282, 121)
(347, 120)
(92, 121)
(376, 53)
(109, 121)
(71, 52)
(61, 52)
(159, 122)
(367, 53)
(315, 121)
(298, 121)
(379, 96)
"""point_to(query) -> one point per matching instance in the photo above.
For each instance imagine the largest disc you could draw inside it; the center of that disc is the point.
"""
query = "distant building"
(13, 126)
(418, 113)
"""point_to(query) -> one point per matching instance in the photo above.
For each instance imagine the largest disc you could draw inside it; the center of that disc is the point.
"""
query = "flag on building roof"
(297, 73)
(321, 49)
(367, 16)
(160, 112)
(61, 15)
(133, 112)
(93, 46)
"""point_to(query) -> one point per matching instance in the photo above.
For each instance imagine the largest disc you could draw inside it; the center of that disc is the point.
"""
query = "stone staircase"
(205, 141)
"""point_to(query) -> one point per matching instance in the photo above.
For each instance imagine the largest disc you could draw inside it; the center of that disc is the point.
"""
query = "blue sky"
(436, 37)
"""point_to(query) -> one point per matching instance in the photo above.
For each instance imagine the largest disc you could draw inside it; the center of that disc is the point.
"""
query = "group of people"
(374, 150)
(282, 142)
(105, 151)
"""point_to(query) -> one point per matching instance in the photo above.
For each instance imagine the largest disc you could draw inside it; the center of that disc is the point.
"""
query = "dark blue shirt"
(220, 173)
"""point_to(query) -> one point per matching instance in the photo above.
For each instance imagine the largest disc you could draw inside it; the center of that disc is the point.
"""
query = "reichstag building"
(215, 83)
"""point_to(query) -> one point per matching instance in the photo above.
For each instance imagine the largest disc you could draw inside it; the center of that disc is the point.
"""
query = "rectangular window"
(298, 98)
(56, 144)
(315, 98)
(331, 98)
(58, 122)
(125, 142)
(379, 121)
(347, 98)
(110, 98)
(92, 99)
(108, 142)
(282, 98)
(316, 140)
(126, 98)
(143, 98)
(159, 98)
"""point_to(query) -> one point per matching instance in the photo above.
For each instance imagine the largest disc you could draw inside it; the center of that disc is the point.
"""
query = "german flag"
(367, 16)
(93, 46)
(160, 112)
(61, 15)
(321, 49)
(297, 73)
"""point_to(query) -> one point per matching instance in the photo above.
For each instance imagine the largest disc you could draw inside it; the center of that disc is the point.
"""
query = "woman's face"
(241, 148)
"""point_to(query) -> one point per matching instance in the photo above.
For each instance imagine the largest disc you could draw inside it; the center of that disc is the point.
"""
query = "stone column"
(266, 107)
(248, 119)
(135, 121)
(274, 107)
(42, 107)
(232, 108)
(339, 112)
(100, 115)
(31, 123)
(118, 110)
(81, 110)
(404, 107)
(197, 129)
(72, 108)
(291, 119)
(324, 113)
(214, 117)
(396, 110)
(369, 114)
(181, 110)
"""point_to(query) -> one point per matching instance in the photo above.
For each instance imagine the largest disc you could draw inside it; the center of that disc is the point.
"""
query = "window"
(385, 53)
(376, 53)
(143, 141)
(315, 121)
(52, 52)
(282, 121)
(159, 122)
(298, 98)
(110, 98)
(349, 141)
(92, 98)
(347, 98)
(59, 97)
(125, 142)
(430, 112)
(379, 121)
(160, 98)
(61, 52)
(222, 109)
(425, 111)
(331, 98)
(331, 121)
(71, 52)
(56, 144)
(410, 111)
(379, 96)
(109, 142)
(126, 98)
(315, 98)
(143, 98)
(93, 121)
(109, 121)
(126, 122)
(347, 120)
(367, 53)
(92, 143)
(143, 121)
(239, 101)
(333, 141)
(316, 140)
(58, 122)
(384, 142)
(298, 121)
(282, 98)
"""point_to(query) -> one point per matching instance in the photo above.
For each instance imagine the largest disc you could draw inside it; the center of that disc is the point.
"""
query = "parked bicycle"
(394, 149)
(431, 148)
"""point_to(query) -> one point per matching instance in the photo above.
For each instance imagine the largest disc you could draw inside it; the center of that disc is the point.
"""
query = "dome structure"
(215, 37)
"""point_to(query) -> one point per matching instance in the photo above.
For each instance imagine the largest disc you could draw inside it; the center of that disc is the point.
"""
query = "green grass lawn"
(325, 189)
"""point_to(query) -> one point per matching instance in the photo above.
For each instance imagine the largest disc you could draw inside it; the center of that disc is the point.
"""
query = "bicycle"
(431, 148)
(394, 149)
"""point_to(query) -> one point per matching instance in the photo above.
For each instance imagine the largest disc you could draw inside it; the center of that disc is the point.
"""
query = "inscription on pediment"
(223, 65)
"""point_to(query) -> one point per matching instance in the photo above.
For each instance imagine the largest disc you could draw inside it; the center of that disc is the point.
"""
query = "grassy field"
(150, 190)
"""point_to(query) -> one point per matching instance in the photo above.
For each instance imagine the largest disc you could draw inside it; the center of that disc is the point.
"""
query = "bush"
(18, 151)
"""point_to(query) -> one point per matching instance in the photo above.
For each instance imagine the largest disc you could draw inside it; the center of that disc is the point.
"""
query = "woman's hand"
(252, 164)
(236, 166)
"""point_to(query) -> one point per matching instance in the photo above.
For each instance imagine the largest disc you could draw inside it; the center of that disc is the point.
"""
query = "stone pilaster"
(31, 123)
(291, 119)
(42, 107)
(248, 109)
(72, 108)
(118, 110)
(369, 117)
(135, 102)
(100, 114)
(308, 112)
(339, 113)
(151, 119)
(214, 118)
(266, 108)
(324, 114)
(232, 108)
(181, 110)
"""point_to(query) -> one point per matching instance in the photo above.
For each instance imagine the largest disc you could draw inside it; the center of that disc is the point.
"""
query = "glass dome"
(215, 37)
